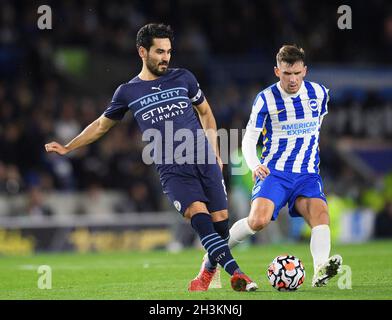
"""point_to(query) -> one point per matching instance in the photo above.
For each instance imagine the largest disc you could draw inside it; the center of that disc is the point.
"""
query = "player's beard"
(154, 68)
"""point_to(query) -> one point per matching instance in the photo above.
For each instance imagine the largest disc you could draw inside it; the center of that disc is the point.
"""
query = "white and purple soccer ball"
(286, 273)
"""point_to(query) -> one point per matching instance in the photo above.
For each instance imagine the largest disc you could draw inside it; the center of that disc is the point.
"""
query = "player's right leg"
(217, 250)
(327, 270)
(315, 213)
(184, 189)
(221, 225)
(268, 197)
(260, 215)
(211, 179)
(220, 219)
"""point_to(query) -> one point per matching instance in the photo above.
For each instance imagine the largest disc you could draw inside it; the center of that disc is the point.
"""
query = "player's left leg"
(315, 213)
(268, 197)
(217, 250)
(221, 225)
(214, 188)
(211, 178)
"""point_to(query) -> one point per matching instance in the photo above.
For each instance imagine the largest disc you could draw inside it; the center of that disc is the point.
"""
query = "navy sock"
(222, 228)
(217, 248)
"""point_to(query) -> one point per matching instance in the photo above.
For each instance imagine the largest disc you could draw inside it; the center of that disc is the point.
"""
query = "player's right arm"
(91, 133)
(249, 142)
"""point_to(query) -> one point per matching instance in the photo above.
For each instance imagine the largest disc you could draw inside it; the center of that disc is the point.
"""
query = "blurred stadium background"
(102, 198)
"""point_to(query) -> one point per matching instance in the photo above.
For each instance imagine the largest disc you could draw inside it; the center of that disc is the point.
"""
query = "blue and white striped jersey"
(290, 125)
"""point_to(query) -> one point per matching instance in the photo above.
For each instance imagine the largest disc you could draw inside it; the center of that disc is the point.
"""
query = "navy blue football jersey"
(163, 105)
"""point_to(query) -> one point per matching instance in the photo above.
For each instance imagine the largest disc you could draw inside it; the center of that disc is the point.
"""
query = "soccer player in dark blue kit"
(161, 101)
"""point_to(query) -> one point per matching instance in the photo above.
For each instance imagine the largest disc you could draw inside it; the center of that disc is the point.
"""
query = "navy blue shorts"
(284, 187)
(187, 183)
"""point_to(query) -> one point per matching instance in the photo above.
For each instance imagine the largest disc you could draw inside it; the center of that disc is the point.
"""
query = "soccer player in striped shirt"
(289, 114)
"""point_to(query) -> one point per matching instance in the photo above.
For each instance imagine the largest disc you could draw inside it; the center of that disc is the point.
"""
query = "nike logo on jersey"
(156, 88)
(277, 112)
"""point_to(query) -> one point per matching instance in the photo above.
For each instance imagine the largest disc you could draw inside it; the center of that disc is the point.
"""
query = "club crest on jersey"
(255, 190)
(177, 205)
(313, 105)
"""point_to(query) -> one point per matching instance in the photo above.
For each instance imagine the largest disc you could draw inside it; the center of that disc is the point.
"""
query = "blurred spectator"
(184, 237)
(94, 202)
(388, 33)
(138, 199)
(67, 126)
(9, 144)
(11, 180)
(3, 180)
(383, 226)
(63, 172)
(193, 43)
(36, 206)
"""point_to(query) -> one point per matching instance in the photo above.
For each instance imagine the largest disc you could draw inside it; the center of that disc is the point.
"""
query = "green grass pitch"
(163, 275)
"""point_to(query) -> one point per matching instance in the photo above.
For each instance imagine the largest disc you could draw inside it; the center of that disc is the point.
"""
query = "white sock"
(239, 232)
(320, 244)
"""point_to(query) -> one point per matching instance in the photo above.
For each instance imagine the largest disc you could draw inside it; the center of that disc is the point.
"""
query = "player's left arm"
(325, 101)
(254, 129)
(208, 123)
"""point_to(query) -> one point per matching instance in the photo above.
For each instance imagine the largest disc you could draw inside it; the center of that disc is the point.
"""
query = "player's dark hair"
(150, 31)
(290, 54)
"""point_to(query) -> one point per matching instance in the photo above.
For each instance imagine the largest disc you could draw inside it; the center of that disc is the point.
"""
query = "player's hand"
(56, 147)
(261, 171)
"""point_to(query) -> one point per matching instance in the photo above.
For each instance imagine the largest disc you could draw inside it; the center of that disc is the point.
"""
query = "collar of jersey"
(137, 79)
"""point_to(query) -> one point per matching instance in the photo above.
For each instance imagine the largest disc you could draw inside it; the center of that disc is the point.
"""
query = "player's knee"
(258, 221)
(195, 208)
(260, 214)
(320, 217)
(219, 215)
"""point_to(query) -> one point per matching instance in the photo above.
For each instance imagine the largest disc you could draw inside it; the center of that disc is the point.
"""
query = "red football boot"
(203, 279)
(241, 282)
